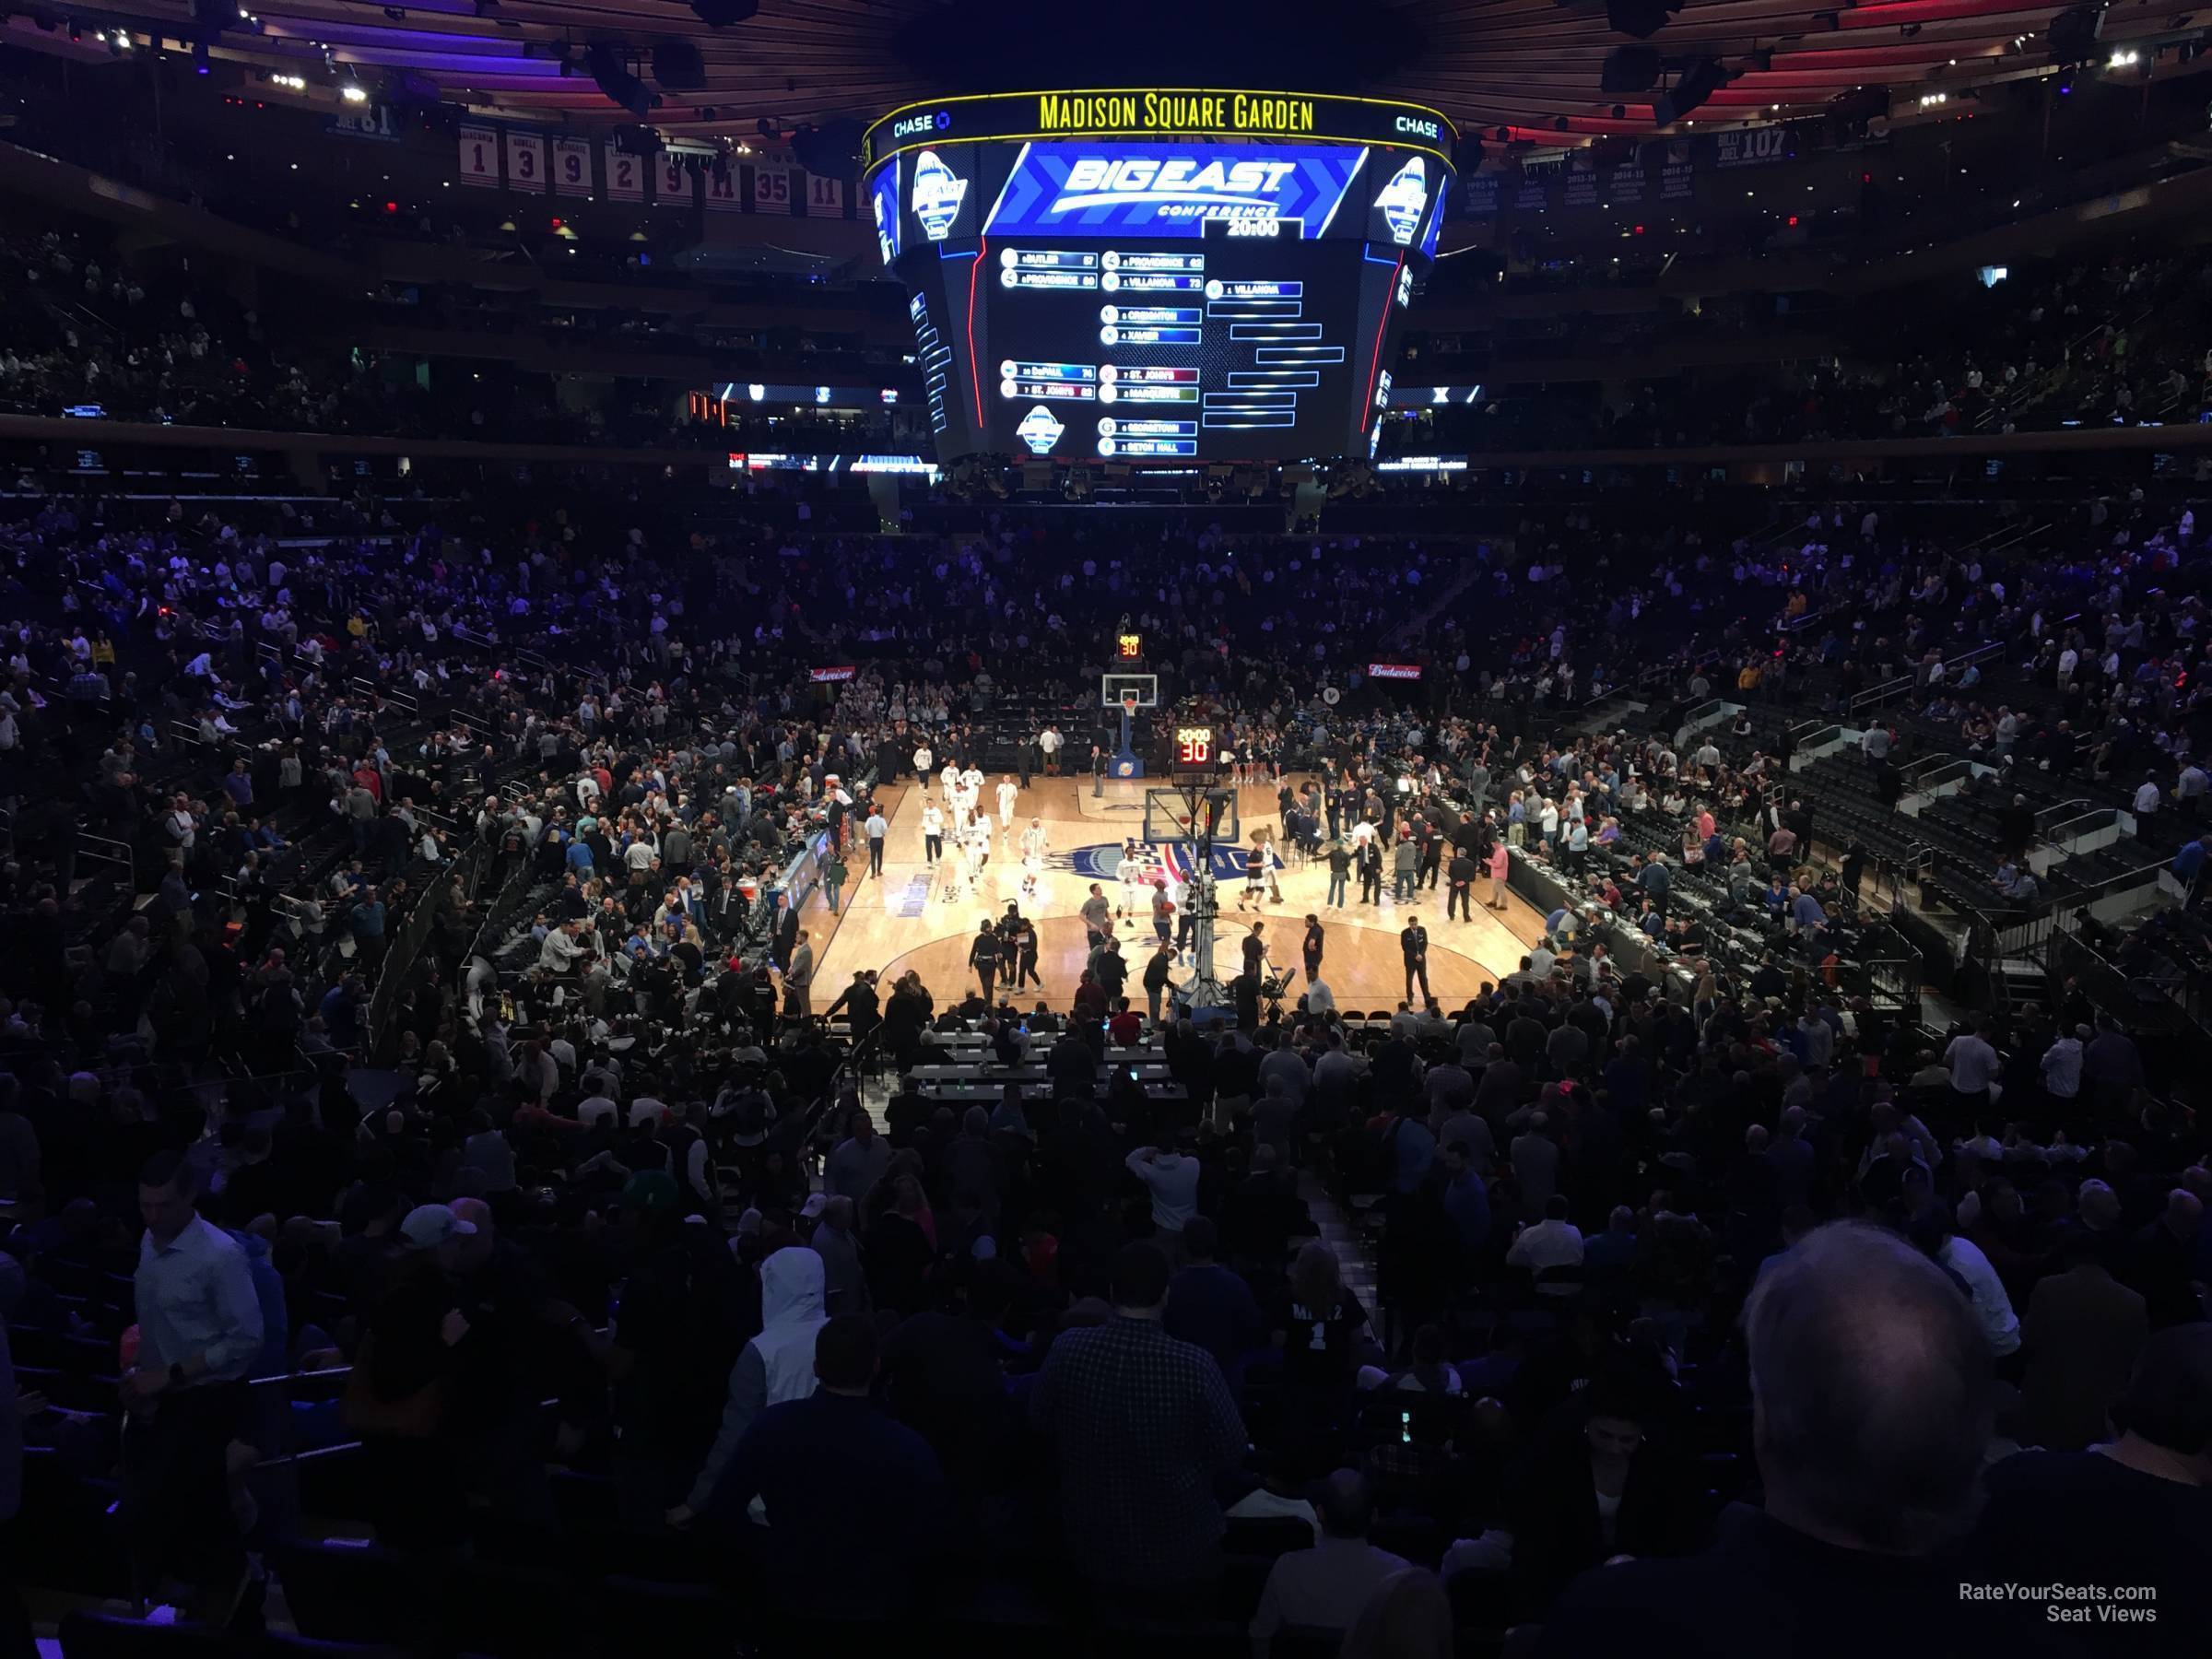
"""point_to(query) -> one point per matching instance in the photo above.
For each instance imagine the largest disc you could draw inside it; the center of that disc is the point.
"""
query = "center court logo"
(1101, 863)
(937, 195)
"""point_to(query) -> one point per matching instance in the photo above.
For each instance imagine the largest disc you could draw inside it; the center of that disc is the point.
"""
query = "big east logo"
(1177, 182)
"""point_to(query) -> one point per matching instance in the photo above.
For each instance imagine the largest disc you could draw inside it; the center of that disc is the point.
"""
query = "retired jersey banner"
(825, 197)
(722, 190)
(671, 182)
(624, 176)
(526, 163)
(572, 167)
(480, 157)
(772, 190)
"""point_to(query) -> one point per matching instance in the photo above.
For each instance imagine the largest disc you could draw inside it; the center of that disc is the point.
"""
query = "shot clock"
(1194, 749)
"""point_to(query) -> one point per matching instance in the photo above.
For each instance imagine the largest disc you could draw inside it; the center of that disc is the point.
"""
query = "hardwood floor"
(903, 919)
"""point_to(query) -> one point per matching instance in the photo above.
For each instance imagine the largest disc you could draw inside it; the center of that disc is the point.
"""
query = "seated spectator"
(1328, 1587)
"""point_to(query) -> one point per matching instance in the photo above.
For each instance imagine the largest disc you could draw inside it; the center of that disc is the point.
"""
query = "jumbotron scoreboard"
(1159, 275)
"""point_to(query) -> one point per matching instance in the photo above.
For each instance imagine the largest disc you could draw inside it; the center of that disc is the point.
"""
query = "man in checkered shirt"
(1142, 1424)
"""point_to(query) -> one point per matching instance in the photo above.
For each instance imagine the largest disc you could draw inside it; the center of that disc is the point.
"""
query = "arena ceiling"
(1534, 67)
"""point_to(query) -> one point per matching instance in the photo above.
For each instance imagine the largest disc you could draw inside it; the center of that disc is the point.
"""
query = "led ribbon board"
(1160, 112)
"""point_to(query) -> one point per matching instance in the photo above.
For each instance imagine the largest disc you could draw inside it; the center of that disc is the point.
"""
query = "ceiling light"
(354, 92)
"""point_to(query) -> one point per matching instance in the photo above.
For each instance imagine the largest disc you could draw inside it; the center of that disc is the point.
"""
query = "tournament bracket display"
(1166, 275)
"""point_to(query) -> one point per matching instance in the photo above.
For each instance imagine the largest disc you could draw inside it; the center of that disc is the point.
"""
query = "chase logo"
(1178, 182)
(922, 123)
(1040, 430)
(937, 195)
(1417, 128)
(1403, 199)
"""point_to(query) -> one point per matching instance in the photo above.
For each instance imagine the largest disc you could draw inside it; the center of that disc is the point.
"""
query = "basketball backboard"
(1114, 688)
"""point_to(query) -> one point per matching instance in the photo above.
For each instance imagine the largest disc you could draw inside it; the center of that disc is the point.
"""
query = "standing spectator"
(199, 1330)
(983, 956)
(1973, 1065)
(857, 1502)
(1140, 1425)
(1413, 945)
(1173, 1181)
(1211, 1306)
(877, 827)
(776, 1366)
(798, 978)
(2081, 1334)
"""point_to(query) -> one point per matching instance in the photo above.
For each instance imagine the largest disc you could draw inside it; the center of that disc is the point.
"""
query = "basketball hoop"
(1129, 705)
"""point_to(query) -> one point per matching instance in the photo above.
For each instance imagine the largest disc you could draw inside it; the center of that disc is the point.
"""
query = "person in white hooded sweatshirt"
(776, 1366)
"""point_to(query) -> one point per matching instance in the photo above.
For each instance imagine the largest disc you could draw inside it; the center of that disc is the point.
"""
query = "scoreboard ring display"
(1159, 275)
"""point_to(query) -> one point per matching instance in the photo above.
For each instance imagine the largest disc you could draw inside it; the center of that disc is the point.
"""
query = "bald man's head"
(1870, 1380)
(1347, 1504)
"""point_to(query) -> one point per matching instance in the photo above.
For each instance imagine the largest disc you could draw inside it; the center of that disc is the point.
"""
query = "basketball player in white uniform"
(951, 778)
(923, 760)
(972, 786)
(1033, 841)
(1009, 791)
(1131, 873)
(976, 844)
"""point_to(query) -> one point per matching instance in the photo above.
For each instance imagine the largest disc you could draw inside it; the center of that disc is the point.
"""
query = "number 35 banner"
(773, 192)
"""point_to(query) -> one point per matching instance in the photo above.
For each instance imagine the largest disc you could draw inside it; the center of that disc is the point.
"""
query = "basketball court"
(902, 920)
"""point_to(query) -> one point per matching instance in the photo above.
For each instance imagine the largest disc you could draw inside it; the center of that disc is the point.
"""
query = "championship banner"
(572, 167)
(526, 163)
(480, 157)
(624, 176)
